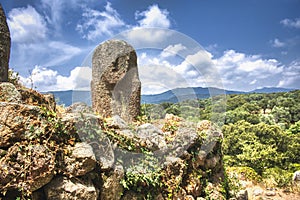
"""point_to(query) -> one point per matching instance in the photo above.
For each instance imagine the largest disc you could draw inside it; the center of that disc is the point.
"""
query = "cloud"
(55, 11)
(26, 25)
(46, 53)
(291, 23)
(159, 73)
(277, 43)
(233, 70)
(62, 51)
(45, 79)
(96, 24)
(152, 27)
(246, 72)
(172, 50)
(154, 17)
(291, 76)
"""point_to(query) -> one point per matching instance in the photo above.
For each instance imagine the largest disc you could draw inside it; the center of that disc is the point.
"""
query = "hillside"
(172, 96)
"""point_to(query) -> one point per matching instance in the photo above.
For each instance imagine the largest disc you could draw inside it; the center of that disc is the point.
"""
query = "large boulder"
(4, 46)
(81, 159)
(115, 87)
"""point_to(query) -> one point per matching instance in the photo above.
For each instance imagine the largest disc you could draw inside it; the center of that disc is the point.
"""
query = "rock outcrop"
(4, 46)
(115, 87)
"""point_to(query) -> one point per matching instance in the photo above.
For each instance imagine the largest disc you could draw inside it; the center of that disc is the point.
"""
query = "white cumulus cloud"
(292, 23)
(291, 76)
(98, 23)
(242, 71)
(45, 79)
(172, 50)
(154, 17)
(152, 27)
(26, 25)
(277, 43)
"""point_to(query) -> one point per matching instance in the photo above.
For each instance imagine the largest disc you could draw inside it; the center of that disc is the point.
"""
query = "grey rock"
(127, 134)
(61, 188)
(9, 93)
(87, 126)
(118, 123)
(81, 160)
(79, 107)
(151, 137)
(115, 87)
(4, 46)
(105, 153)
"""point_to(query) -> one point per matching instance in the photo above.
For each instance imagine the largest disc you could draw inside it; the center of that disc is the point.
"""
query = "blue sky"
(242, 45)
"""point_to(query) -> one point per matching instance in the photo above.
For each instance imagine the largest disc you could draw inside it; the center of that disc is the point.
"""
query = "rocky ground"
(50, 152)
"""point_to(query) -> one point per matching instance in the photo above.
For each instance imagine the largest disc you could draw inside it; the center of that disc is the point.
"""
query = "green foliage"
(278, 177)
(144, 177)
(258, 146)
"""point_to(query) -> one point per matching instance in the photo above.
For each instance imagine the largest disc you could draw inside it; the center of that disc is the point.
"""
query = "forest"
(261, 132)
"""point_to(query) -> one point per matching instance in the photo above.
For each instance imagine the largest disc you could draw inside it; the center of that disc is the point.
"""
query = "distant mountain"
(69, 97)
(176, 95)
(271, 90)
(181, 94)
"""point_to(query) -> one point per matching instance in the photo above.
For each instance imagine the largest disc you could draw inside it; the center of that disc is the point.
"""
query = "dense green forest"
(261, 132)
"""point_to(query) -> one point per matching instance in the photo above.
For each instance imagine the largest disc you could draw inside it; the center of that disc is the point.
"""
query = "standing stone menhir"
(4, 46)
(115, 87)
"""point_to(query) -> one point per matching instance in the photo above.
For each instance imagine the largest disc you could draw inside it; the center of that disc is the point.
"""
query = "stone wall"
(76, 155)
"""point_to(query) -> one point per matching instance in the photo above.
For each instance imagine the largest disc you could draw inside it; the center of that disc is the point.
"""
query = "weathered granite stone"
(17, 122)
(61, 188)
(151, 137)
(4, 46)
(40, 166)
(9, 93)
(79, 107)
(81, 160)
(115, 87)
